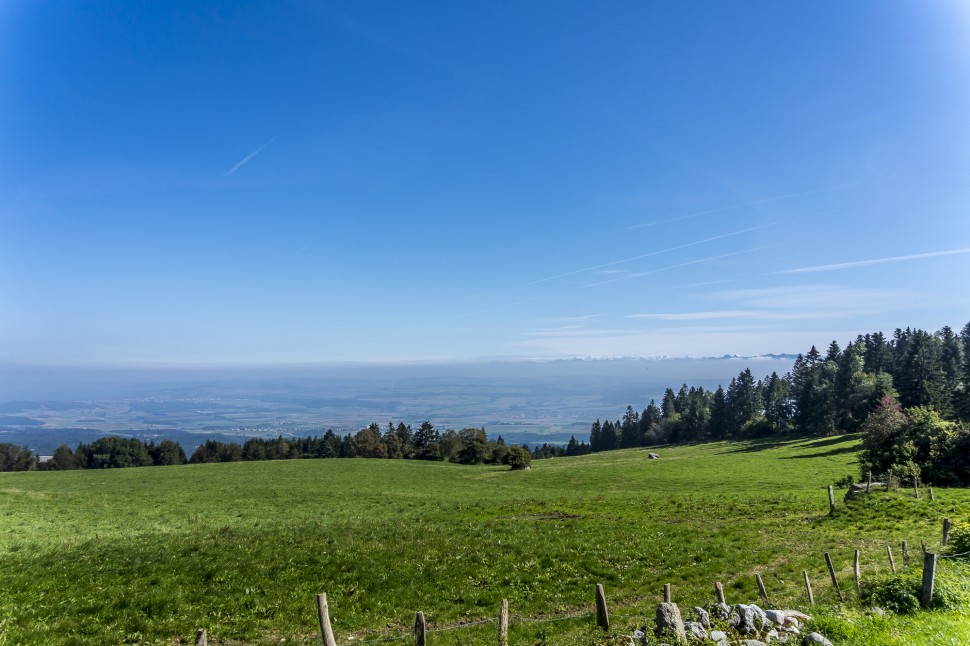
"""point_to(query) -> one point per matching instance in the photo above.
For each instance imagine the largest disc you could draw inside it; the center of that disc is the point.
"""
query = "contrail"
(639, 257)
(875, 261)
(765, 200)
(698, 261)
(248, 157)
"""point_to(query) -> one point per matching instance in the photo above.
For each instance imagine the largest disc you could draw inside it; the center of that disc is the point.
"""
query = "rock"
(746, 618)
(815, 639)
(695, 629)
(653, 456)
(876, 611)
(703, 617)
(761, 619)
(859, 489)
(723, 611)
(669, 622)
(799, 616)
(640, 637)
(777, 617)
(752, 642)
(771, 635)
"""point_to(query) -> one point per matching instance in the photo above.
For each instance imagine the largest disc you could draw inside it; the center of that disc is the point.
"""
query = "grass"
(149, 555)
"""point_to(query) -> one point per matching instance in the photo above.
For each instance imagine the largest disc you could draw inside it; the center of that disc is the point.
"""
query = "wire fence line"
(491, 620)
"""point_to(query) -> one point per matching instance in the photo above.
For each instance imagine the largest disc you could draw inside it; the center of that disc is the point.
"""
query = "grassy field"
(148, 555)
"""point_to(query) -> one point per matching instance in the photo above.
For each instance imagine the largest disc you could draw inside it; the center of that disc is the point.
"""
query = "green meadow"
(148, 555)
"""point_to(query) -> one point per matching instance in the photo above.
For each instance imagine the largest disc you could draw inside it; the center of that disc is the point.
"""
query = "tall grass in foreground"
(149, 555)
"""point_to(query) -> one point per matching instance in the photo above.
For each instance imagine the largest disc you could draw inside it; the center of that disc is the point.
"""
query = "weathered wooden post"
(761, 589)
(419, 629)
(667, 595)
(835, 581)
(602, 614)
(946, 530)
(932, 497)
(808, 587)
(503, 624)
(905, 548)
(201, 638)
(929, 578)
(869, 482)
(719, 591)
(831, 500)
(857, 572)
(916, 487)
(892, 562)
(323, 610)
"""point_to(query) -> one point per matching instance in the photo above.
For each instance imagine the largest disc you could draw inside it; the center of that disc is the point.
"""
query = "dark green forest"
(909, 397)
(467, 446)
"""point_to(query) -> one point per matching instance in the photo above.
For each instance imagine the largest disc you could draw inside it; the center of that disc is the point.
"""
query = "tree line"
(467, 446)
(919, 382)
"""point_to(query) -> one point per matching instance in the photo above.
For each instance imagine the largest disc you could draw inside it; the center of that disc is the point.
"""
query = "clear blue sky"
(276, 182)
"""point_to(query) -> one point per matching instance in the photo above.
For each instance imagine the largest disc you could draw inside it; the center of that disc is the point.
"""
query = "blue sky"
(293, 182)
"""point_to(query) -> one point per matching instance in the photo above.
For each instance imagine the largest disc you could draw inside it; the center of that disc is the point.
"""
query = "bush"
(900, 593)
(518, 458)
(959, 538)
(844, 482)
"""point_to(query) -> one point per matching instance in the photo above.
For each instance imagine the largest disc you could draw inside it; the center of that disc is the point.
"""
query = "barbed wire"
(953, 556)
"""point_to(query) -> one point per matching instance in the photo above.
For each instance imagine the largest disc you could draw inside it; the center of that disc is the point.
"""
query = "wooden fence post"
(869, 482)
(719, 591)
(808, 587)
(419, 629)
(323, 610)
(602, 614)
(835, 581)
(667, 595)
(905, 548)
(892, 563)
(503, 624)
(201, 638)
(761, 589)
(946, 530)
(932, 497)
(916, 487)
(857, 572)
(831, 500)
(929, 578)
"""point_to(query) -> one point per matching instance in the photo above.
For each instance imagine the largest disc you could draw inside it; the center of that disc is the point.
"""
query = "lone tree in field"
(518, 458)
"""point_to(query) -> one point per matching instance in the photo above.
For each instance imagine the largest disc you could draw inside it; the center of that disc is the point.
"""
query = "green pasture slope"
(148, 555)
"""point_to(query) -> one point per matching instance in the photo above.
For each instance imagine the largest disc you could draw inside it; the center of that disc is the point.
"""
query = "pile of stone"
(723, 625)
(862, 488)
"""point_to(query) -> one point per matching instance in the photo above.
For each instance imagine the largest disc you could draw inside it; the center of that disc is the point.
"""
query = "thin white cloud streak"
(698, 261)
(766, 200)
(242, 162)
(877, 261)
(604, 282)
(638, 257)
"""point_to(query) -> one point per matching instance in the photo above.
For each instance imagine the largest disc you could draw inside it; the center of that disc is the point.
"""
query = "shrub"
(518, 458)
(959, 538)
(845, 482)
(897, 593)
(900, 593)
